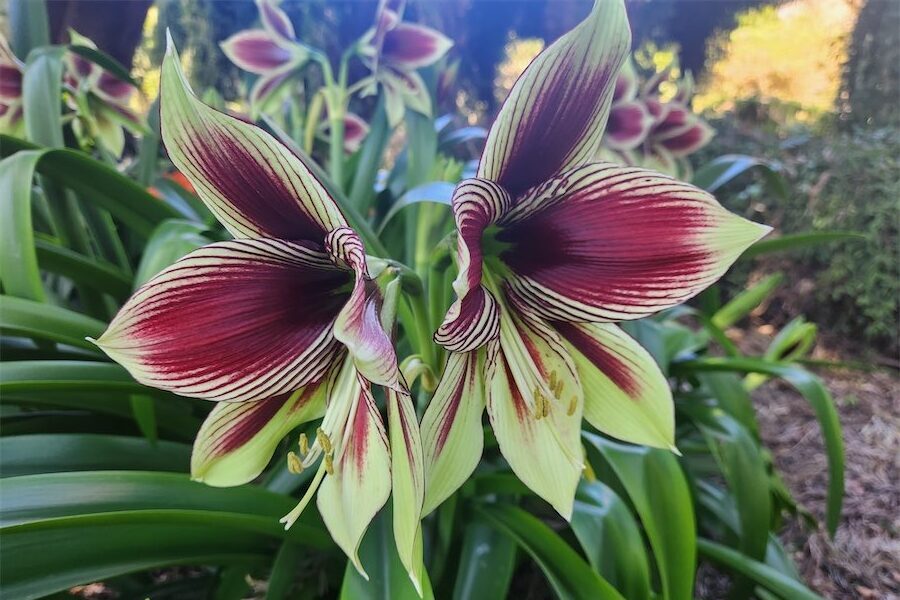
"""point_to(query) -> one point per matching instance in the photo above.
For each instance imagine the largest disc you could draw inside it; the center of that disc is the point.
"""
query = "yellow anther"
(558, 388)
(304, 444)
(538, 403)
(545, 408)
(329, 464)
(573, 404)
(295, 465)
(553, 380)
(324, 440)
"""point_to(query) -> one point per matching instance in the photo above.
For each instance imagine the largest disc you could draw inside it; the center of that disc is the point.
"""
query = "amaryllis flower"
(393, 50)
(272, 52)
(11, 107)
(280, 326)
(629, 120)
(552, 251)
(100, 99)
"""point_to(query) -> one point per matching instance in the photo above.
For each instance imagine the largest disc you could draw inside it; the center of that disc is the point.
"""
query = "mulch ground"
(863, 559)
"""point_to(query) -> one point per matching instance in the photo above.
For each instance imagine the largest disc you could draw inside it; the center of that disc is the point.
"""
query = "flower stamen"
(294, 464)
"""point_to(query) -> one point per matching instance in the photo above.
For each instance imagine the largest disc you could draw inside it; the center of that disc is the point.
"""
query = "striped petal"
(350, 498)
(232, 321)
(237, 439)
(535, 404)
(452, 436)
(408, 46)
(407, 483)
(253, 184)
(256, 51)
(556, 112)
(625, 394)
(276, 20)
(628, 126)
(472, 319)
(358, 325)
(610, 243)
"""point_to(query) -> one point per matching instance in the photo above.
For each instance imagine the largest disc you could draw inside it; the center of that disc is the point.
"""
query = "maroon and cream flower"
(272, 52)
(355, 131)
(393, 50)
(100, 99)
(552, 251)
(280, 326)
(11, 107)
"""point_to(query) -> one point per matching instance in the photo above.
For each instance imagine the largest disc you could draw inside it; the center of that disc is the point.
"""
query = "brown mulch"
(863, 560)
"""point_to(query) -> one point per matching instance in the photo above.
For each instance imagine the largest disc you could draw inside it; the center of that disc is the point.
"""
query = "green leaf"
(18, 261)
(101, 59)
(815, 392)
(68, 376)
(362, 192)
(28, 25)
(48, 322)
(170, 241)
(436, 192)
(611, 539)
(486, 564)
(53, 453)
(388, 580)
(744, 468)
(741, 305)
(42, 96)
(762, 574)
(283, 571)
(85, 271)
(566, 571)
(723, 169)
(96, 183)
(144, 411)
(657, 487)
(795, 241)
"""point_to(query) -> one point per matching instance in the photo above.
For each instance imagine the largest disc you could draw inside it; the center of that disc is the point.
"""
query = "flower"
(100, 99)
(272, 52)
(677, 131)
(11, 106)
(280, 326)
(552, 250)
(393, 50)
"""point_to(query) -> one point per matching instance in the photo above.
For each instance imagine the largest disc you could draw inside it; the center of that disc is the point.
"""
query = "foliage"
(88, 453)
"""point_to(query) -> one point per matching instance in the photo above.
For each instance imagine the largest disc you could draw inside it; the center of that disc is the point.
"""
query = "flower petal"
(628, 126)
(452, 436)
(355, 131)
(410, 87)
(358, 325)
(109, 133)
(535, 404)
(409, 46)
(350, 498)
(626, 83)
(556, 112)
(611, 243)
(472, 319)
(408, 483)
(10, 82)
(267, 86)
(112, 89)
(625, 393)
(253, 184)
(237, 439)
(276, 20)
(688, 139)
(236, 320)
(256, 51)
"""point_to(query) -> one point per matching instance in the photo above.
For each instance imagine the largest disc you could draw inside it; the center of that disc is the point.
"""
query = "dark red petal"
(238, 320)
(10, 82)
(610, 243)
(410, 46)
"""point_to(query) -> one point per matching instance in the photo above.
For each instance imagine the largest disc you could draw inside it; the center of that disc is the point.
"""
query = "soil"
(863, 559)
